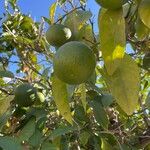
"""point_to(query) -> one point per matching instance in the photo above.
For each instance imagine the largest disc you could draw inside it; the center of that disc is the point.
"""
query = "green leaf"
(35, 139)
(99, 112)
(144, 11)
(26, 23)
(10, 143)
(111, 139)
(48, 146)
(86, 35)
(52, 12)
(61, 131)
(112, 38)
(125, 84)
(27, 130)
(13, 3)
(141, 30)
(84, 137)
(64, 144)
(105, 145)
(83, 16)
(46, 20)
(5, 117)
(61, 2)
(107, 100)
(70, 90)
(60, 94)
(83, 95)
(147, 101)
(5, 103)
(24, 41)
(80, 115)
(72, 22)
(7, 74)
(76, 20)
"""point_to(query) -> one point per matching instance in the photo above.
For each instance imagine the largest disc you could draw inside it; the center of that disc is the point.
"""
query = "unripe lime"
(74, 62)
(58, 35)
(111, 4)
(25, 95)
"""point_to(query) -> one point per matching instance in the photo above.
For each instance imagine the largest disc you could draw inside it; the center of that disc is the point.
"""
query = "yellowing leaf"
(86, 35)
(76, 20)
(52, 12)
(61, 98)
(112, 38)
(125, 84)
(5, 103)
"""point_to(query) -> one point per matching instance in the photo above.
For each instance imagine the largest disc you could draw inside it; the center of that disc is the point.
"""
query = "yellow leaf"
(112, 38)
(125, 84)
(60, 95)
(52, 12)
(86, 35)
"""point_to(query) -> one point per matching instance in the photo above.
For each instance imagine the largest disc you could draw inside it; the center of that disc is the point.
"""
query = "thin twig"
(60, 19)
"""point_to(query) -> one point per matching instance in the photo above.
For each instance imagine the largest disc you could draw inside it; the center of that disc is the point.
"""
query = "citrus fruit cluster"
(74, 62)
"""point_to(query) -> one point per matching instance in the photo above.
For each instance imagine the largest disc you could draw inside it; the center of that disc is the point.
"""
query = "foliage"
(109, 111)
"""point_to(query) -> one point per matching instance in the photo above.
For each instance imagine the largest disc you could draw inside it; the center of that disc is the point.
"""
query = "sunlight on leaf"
(112, 38)
(83, 95)
(52, 12)
(61, 98)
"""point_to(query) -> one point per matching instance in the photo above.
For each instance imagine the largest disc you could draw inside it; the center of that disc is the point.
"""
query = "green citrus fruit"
(74, 62)
(25, 95)
(58, 35)
(111, 4)
(144, 12)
